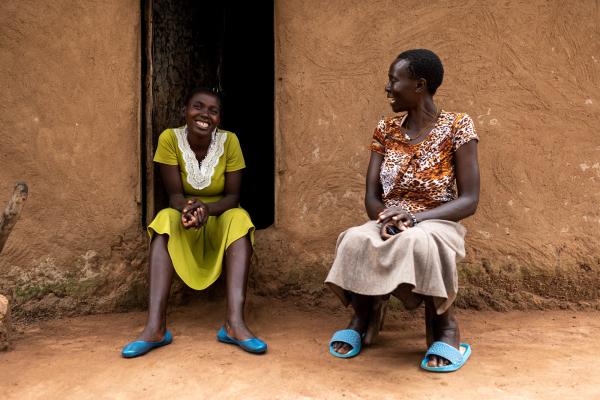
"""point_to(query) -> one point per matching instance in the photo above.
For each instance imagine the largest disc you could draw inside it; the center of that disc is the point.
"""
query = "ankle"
(446, 321)
(160, 328)
(235, 322)
(359, 323)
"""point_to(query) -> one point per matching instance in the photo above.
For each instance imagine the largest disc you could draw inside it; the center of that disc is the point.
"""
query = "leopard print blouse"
(420, 177)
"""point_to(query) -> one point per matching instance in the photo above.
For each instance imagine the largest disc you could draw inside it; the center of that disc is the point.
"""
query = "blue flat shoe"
(349, 337)
(141, 347)
(253, 345)
(457, 358)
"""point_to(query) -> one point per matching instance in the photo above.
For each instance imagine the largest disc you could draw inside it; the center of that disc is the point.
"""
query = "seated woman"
(200, 166)
(423, 177)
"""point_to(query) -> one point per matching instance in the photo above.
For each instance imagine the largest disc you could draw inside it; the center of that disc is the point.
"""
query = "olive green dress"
(197, 254)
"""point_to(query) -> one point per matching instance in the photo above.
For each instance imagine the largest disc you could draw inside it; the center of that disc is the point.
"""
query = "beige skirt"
(419, 261)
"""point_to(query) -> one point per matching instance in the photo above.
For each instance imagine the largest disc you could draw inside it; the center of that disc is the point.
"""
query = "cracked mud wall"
(526, 71)
(69, 109)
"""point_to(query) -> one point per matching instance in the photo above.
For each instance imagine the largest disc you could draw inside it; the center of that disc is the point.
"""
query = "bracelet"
(412, 218)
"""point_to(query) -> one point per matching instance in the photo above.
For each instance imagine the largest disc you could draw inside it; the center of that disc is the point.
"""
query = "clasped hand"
(394, 220)
(194, 214)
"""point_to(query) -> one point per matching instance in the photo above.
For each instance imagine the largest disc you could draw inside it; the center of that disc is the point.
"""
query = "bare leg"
(237, 264)
(161, 274)
(376, 319)
(429, 323)
(360, 320)
(445, 329)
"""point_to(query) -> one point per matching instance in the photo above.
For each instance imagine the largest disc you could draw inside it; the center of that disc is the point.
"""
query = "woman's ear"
(183, 111)
(421, 85)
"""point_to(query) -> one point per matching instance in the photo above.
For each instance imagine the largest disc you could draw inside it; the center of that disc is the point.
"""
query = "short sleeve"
(235, 158)
(166, 152)
(464, 131)
(378, 142)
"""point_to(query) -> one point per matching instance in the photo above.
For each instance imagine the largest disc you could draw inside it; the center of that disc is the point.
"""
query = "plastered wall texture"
(527, 72)
(69, 110)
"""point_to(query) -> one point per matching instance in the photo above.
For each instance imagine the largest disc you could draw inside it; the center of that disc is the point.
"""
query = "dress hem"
(151, 231)
(401, 292)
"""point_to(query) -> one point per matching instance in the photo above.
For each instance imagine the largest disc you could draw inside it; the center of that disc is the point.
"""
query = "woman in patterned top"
(423, 178)
(204, 228)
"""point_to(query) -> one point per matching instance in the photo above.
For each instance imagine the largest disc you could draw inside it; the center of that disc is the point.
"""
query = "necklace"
(423, 130)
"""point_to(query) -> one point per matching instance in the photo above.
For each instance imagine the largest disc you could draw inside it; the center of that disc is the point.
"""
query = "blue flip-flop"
(141, 347)
(351, 338)
(457, 358)
(252, 345)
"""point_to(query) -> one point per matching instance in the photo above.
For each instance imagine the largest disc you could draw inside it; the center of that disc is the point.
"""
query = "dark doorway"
(191, 43)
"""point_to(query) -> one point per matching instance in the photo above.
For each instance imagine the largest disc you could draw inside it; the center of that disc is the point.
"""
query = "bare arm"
(172, 181)
(466, 170)
(373, 202)
(231, 198)
(195, 213)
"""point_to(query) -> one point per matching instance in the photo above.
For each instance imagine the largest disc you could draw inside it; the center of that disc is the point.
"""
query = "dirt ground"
(516, 355)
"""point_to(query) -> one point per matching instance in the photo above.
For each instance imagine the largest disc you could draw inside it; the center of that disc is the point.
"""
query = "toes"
(436, 361)
(433, 361)
(341, 347)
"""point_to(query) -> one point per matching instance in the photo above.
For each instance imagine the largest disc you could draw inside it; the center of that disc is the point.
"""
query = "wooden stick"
(12, 211)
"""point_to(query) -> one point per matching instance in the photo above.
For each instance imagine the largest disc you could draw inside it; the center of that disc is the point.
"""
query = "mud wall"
(69, 110)
(526, 71)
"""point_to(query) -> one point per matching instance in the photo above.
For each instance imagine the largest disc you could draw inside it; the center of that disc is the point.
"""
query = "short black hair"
(203, 89)
(423, 63)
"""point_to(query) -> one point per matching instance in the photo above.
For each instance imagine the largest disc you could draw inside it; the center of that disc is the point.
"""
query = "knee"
(169, 214)
(353, 239)
(159, 240)
(355, 234)
(420, 238)
(236, 215)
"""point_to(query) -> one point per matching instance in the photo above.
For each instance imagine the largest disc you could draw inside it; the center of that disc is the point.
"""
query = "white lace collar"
(199, 175)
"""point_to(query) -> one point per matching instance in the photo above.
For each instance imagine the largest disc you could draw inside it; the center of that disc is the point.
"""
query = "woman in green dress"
(204, 226)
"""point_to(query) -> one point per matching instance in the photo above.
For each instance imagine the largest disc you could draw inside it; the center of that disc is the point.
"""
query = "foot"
(238, 330)
(357, 324)
(444, 329)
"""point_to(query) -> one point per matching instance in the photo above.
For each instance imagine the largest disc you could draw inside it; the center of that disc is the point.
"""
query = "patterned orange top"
(421, 176)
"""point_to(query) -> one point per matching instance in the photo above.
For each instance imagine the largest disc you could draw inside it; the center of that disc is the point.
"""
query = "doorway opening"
(189, 43)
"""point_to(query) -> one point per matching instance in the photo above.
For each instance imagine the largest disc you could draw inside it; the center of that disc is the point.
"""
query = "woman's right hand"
(385, 232)
(391, 228)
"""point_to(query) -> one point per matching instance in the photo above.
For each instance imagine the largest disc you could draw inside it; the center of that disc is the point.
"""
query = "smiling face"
(202, 113)
(403, 91)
